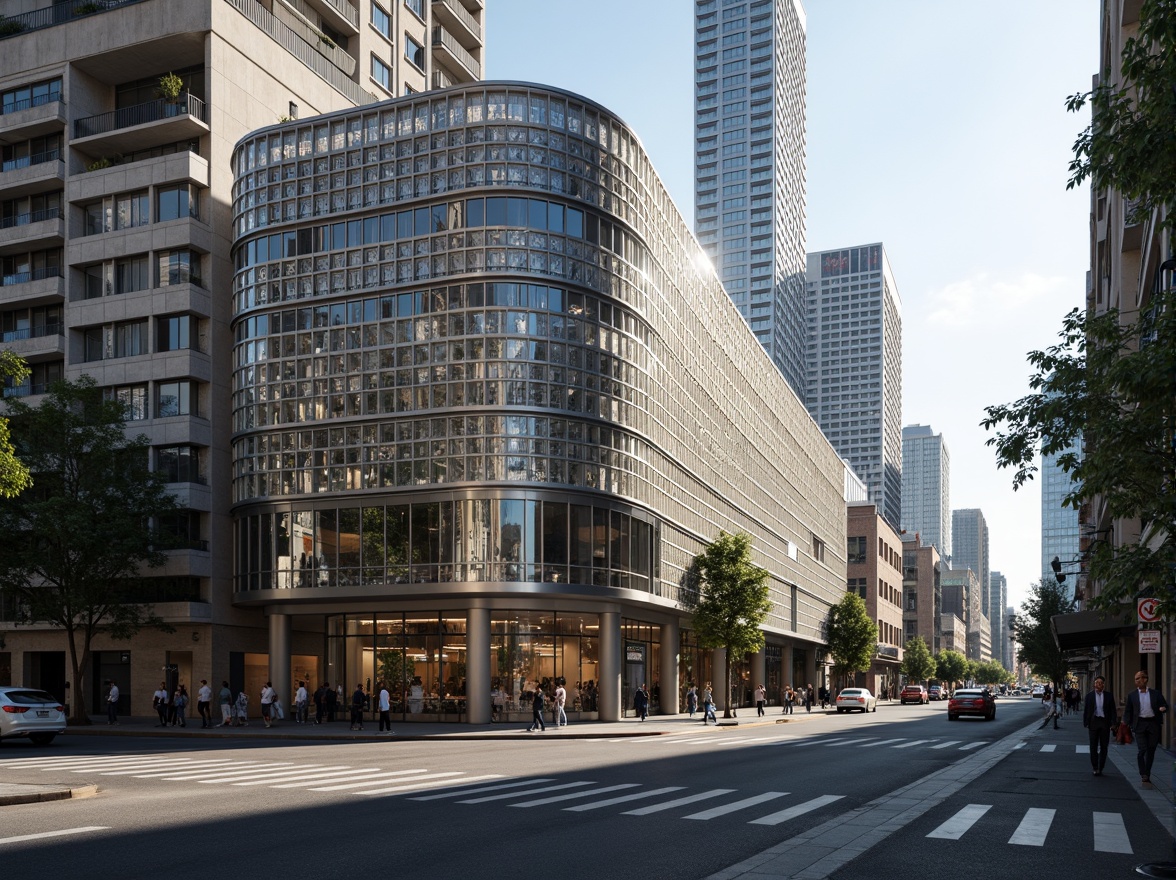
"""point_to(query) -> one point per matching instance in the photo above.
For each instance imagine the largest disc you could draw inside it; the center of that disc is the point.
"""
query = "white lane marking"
(315, 778)
(306, 772)
(109, 763)
(481, 790)
(413, 786)
(680, 802)
(798, 810)
(125, 765)
(1033, 828)
(1110, 835)
(703, 739)
(1082, 750)
(850, 742)
(576, 794)
(384, 777)
(222, 774)
(914, 742)
(61, 759)
(641, 795)
(884, 742)
(736, 805)
(958, 825)
(62, 833)
(1048, 747)
(950, 742)
(974, 745)
(515, 794)
(247, 773)
(1020, 745)
(189, 766)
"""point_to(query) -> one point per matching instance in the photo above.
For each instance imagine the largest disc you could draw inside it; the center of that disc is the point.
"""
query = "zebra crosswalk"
(423, 784)
(718, 740)
(1108, 830)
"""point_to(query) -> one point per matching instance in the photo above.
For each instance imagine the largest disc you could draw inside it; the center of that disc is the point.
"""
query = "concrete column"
(786, 668)
(609, 686)
(759, 671)
(478, 666)
(720, 684)
(668, 675)
(279, 658)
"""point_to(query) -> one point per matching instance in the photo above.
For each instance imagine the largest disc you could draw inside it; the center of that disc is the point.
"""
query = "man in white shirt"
(267, 703)
(301, 698)
(112, 703)
(385, 710)
(1099, 715)
(203, 704)
(1144, 715)
(561, 697)
(159, 703)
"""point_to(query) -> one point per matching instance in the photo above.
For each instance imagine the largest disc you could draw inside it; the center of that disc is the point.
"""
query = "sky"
(939, 129)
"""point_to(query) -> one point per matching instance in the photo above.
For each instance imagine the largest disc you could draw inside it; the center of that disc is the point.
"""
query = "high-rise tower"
(926, 488)
(854, 366)
(749, 165)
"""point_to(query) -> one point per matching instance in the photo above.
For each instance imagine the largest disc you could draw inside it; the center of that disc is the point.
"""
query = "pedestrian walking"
(180, 706)
(692, 701)
(537, 710)
(320, 696)
(224, 699)
(301, 698)
(641, 702)
(808, 698)
(111, 702)
(385, 705)
(789, 697)
(159, 704)
(331, 701)
(357, 700)
(1098, 717)
(823, 695)
(560, 717)
(241, 709)
(761, 697)
(204, 704)
(267, 704)
(708, 705)
(1144, 715)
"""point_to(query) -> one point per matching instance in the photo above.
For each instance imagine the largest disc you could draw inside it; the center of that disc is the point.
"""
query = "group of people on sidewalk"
(1143, 716)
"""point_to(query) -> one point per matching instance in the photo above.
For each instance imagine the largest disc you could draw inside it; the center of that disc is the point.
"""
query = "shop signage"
(1149, 641)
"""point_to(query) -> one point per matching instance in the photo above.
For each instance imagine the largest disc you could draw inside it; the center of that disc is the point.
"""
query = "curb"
(43, 793)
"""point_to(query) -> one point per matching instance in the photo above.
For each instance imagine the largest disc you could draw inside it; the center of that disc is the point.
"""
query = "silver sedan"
(855, 700)
(32, 713)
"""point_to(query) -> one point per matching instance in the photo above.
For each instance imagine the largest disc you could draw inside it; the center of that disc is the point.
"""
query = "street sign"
(1149, 641)
(1149, 610)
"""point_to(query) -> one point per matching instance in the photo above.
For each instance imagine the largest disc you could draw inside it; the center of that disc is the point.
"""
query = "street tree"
(951, 667)
(917, 663)
(852, 636)
(732, 601)
(990, 672)
(1108, 381)
(1039, 650)
(77, 542)
(14, 475)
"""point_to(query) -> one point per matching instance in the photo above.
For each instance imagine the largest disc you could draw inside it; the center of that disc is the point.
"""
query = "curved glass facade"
(475, 345)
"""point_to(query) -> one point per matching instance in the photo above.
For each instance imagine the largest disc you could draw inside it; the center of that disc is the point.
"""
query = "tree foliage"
(990, 672)
(1038, 648)
(951, 667)
(1109, 381)
(76, 541)
(732, 603)
(917, 662)
(14, 475)
(852, 636)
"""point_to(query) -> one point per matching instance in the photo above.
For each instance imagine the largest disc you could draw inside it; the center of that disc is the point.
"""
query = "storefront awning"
(1089, 629)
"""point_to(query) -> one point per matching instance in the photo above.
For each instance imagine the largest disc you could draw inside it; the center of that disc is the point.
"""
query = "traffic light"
(1056, 565)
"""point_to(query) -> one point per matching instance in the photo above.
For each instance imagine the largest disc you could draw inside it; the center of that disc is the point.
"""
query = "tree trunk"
(78, 716)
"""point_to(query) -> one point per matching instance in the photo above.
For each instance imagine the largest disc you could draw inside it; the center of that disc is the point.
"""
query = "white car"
(30, 712)
(1038, 691)
(856, 699)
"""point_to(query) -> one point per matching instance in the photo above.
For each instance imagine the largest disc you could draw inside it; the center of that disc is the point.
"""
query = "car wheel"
(42, 739)
(875, 707)
(951, 717)
(839, 710)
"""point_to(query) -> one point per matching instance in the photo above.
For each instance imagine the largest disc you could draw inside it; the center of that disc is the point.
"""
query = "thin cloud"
(983, 301)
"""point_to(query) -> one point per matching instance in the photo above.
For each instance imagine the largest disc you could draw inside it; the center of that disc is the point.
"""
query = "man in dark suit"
(1144, 714)
(1098, 717)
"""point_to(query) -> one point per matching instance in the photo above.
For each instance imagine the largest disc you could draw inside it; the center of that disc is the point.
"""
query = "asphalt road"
(686, 805)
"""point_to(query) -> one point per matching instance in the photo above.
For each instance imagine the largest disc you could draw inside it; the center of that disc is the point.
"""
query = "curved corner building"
(489, 401)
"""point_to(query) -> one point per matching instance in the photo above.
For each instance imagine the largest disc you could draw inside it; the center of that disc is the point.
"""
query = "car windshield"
(969, 693)
(30, 698)
(851, 692)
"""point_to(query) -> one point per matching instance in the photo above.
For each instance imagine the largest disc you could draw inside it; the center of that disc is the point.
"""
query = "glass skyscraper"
(749, 165)
(926, 488)
(1059, 525)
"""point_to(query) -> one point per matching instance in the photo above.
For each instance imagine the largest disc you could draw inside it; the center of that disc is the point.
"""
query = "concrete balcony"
(452, 15)
(336, 14)
(140, 127)
(35, 231)
(32, 121)
(34, 174)
(41, 287)
(44, 344)
(184, 612)
(454, 56)
(123, 177)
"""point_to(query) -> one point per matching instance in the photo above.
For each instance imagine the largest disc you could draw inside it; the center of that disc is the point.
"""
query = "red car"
(972, 701)
(913, 693)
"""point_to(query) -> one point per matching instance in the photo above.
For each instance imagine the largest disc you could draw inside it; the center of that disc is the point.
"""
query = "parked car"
(32, 713)
(913, 693)
(971, 701)
(1038, 691)
(936, 692)
(856, 699)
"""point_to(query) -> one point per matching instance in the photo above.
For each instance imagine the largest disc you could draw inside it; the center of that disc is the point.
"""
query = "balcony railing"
(58, 13)
(29, 217)
(462, 14)
(152, 111)
(34, 275)
(33, 332)
(27, 389)
(34, 159)
(442, 37)
(27, 103)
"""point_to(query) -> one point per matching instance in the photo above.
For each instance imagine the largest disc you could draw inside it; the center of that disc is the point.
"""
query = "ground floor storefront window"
(541, 649)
